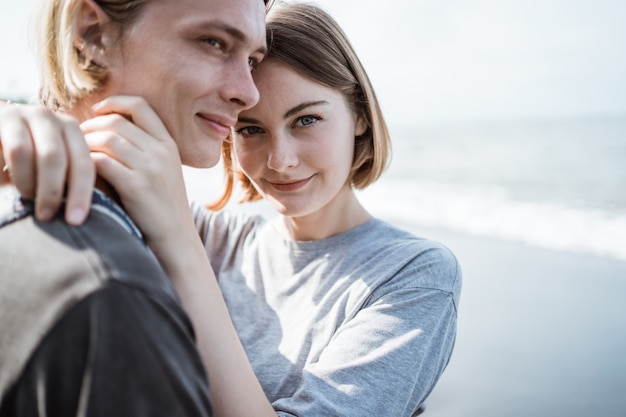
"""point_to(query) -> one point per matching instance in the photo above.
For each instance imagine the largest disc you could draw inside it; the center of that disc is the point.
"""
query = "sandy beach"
(541, 333)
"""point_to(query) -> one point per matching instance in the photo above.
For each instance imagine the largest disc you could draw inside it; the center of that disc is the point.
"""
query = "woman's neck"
(335, 218)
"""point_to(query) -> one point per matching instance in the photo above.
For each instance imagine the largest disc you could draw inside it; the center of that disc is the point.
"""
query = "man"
(90, 322)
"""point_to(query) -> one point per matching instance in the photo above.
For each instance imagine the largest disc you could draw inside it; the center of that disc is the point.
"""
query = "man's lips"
(289, 185)
(219, 124)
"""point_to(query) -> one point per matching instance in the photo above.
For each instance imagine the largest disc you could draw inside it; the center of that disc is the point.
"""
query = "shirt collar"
(13, 207)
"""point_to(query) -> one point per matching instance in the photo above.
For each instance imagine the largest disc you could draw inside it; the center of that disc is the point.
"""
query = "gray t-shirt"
(359, 324)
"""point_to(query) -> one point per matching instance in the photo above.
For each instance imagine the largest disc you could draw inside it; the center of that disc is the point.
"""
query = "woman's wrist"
(181, 254)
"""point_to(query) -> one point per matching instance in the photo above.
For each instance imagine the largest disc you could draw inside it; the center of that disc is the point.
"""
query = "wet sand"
(541, 333)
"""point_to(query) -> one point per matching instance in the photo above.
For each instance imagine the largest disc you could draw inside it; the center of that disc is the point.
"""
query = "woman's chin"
(289, 210)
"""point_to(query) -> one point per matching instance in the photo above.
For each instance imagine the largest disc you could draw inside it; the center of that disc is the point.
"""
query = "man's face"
(191, 60)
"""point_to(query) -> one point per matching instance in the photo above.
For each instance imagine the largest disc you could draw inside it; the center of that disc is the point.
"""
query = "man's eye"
(216, 43)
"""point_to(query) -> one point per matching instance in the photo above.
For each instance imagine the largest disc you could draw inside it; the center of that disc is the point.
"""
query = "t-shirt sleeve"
(386, 359)
(223, 233)
(119, 352)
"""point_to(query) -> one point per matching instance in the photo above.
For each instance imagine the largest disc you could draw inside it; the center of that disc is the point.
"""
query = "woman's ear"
(360, 126)
(92, 35)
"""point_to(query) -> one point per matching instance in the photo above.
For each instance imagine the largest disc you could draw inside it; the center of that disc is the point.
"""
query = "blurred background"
(508, 119)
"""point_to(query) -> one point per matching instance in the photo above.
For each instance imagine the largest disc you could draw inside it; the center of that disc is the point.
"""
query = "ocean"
(558, 184)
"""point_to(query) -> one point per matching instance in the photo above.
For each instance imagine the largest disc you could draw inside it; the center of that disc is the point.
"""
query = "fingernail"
(76, 216)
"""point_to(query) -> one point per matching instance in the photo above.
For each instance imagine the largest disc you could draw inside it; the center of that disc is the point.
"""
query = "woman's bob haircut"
(308, 40)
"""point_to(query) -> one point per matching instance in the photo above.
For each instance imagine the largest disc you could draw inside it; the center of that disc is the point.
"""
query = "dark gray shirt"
(89, 323)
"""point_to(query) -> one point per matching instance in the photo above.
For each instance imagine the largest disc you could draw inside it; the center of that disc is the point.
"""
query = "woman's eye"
(249, 130)
(308, 120)
(253, 62)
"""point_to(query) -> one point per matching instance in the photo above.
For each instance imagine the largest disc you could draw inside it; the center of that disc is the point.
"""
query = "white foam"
(479, 210)
(489, 211)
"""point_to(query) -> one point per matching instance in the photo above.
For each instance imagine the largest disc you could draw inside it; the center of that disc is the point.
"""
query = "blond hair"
(68, 74)
(307, 39)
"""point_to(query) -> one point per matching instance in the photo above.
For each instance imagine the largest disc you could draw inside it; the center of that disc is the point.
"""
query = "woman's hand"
(135, 153)
(42, 151)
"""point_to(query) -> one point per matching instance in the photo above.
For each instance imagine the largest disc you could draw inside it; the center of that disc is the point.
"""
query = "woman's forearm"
(235, 390)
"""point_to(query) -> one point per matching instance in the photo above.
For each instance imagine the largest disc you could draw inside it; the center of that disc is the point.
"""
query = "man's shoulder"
(106, 246)
(48, 268)
(133, 348)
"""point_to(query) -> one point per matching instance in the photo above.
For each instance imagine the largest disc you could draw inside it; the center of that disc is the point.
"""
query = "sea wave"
(490, 211)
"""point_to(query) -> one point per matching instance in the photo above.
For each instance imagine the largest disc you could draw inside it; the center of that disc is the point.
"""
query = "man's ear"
(92, 35)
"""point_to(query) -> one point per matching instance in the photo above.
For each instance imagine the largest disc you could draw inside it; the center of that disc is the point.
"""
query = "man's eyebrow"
(235, 33)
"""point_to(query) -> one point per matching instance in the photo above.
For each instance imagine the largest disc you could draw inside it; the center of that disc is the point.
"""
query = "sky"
(448, 61)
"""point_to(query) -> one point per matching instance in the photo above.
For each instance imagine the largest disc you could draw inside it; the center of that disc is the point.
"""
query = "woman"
(339, 313)
(93, 51)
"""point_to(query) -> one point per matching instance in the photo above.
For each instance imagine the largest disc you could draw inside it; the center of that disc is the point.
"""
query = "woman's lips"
(289, 186)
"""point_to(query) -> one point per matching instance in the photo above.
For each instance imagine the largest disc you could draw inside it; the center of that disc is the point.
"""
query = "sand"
(541, 333)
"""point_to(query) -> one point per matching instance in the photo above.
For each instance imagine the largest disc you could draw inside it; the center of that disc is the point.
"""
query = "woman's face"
(191, 60)
(297, 144)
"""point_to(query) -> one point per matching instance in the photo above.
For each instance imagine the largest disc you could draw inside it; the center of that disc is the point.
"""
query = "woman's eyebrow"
(302, 106)
(288, 114)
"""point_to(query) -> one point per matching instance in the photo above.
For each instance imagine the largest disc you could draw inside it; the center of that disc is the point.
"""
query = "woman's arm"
(235, 390)
(141, 161)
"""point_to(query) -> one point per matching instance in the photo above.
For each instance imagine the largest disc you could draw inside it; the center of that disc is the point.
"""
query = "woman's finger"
(130, 145)
(48, 135)
(111, 169)
(115, 146)
(41, 149)
(18, 150)
(138, 111)
(81, 175)
(117, 126)
(5, 172)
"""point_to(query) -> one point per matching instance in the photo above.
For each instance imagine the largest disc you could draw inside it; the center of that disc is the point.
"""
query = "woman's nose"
(283, 154)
